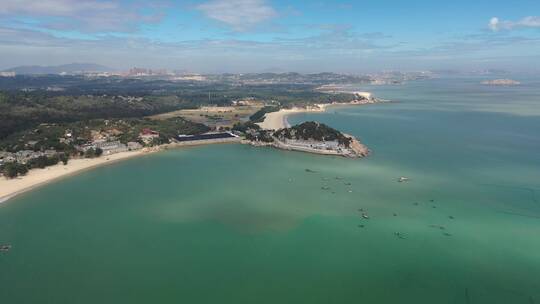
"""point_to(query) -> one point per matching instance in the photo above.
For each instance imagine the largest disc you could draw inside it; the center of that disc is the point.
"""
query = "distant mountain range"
(72, 68)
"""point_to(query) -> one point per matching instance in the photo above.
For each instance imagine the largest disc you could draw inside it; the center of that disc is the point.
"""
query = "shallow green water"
(237, 224)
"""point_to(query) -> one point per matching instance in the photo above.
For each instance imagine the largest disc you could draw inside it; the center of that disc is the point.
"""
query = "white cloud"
(54, 7)
(80, 15)
(495, 24)
(240, 15)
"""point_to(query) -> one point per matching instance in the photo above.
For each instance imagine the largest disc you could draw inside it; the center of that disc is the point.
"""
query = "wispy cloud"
(495, 24)
(54, 7)
(81, 15)
(240, 15)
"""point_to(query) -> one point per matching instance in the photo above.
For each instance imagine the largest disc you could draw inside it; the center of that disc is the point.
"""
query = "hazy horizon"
(243, 36)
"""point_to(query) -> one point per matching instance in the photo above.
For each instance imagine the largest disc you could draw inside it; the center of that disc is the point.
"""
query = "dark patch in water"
(534, 197)
(520, 214)
(438, 227)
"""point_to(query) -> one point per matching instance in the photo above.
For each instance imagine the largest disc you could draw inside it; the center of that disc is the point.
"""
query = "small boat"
(438, 227)
(5, 248)
(403, 179)
(365, 216)
(325, 188)
(399, 235)
(310, 171)
(451, 217)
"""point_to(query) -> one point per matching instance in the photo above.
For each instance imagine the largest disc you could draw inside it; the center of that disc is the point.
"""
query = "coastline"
(10, 188)
(278, 120)
(357, 149)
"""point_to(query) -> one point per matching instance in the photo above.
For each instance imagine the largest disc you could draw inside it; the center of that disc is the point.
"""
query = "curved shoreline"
(278, 120)
(10, 188)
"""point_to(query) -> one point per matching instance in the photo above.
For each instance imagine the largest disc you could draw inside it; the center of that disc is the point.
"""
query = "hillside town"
(49, 144)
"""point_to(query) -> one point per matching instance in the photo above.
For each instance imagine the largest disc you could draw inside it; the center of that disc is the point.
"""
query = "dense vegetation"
(50, 136)
(26, 102)
(313, 131)
(259, 115)
(55, 117)
(14, 169)
(19, 111)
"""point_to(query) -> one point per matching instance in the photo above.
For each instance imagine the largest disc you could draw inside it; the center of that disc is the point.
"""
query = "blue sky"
(273, 35)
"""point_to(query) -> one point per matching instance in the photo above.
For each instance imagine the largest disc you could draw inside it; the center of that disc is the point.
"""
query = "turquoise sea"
(239, 224)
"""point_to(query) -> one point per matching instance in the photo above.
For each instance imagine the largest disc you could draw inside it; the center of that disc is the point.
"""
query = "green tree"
(14, 169)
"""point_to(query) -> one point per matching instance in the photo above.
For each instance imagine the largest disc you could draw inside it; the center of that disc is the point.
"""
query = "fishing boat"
(403, 179)
(5, 248)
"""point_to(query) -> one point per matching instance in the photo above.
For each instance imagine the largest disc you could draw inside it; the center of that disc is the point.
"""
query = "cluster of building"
(24, 156)
(310, 144)
(8, 74)
(109, 144)
(108, 147)
(146, 72)
(106, 141)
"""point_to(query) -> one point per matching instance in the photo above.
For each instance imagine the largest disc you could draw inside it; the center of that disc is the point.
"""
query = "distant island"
(501, 82)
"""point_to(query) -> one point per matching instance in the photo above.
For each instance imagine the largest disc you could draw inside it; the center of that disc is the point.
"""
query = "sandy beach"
(10, 188)
(278, 120)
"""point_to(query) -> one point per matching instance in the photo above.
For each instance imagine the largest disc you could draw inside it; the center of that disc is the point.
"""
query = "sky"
(215, 36)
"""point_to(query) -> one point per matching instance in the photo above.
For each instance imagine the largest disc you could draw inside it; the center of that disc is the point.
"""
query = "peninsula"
(47, 134)
(310, 137)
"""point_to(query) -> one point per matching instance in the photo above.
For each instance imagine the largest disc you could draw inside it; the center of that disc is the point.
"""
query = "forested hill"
(315, 131)
(21, 111)
(26, 101)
